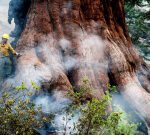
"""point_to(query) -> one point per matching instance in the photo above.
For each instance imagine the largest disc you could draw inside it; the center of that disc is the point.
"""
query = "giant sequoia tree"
(64, 41)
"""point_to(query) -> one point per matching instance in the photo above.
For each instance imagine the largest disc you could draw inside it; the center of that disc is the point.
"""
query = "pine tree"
(137, 17)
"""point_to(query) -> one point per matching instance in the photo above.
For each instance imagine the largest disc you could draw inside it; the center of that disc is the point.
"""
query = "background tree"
(138, 16)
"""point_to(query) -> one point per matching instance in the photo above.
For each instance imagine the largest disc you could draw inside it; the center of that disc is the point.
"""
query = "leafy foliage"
(135, 2)
(95, 117)
(18, 114)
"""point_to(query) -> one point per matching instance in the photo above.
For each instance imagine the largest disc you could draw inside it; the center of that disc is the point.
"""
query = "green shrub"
(94, 115)
(18, 114)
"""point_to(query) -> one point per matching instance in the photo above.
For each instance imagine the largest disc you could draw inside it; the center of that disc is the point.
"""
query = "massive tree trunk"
(65, 41)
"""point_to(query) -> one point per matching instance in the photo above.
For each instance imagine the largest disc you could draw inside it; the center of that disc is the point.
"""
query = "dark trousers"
(5, 67)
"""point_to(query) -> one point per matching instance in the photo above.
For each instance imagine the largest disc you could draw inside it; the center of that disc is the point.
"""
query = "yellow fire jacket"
(4, 48)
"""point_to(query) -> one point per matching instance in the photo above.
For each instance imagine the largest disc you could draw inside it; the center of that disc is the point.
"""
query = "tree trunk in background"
(65, 41)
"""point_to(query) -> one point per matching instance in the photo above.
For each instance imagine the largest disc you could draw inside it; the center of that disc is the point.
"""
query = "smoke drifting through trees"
(51, 21)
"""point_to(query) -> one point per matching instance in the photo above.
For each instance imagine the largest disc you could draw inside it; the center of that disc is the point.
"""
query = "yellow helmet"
(5, 36)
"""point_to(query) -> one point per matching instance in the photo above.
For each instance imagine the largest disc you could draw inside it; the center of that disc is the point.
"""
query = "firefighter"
(5, 62)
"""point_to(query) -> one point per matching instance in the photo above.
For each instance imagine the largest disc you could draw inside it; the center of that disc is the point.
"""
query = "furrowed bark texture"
(77, 21)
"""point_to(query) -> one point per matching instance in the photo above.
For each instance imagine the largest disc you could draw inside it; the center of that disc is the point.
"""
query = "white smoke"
(51, 103)
(66, 124)
(40, 64)
(91, 48)
(142, 98)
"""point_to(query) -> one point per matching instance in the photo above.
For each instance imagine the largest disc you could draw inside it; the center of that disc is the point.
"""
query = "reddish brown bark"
(49, 21)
